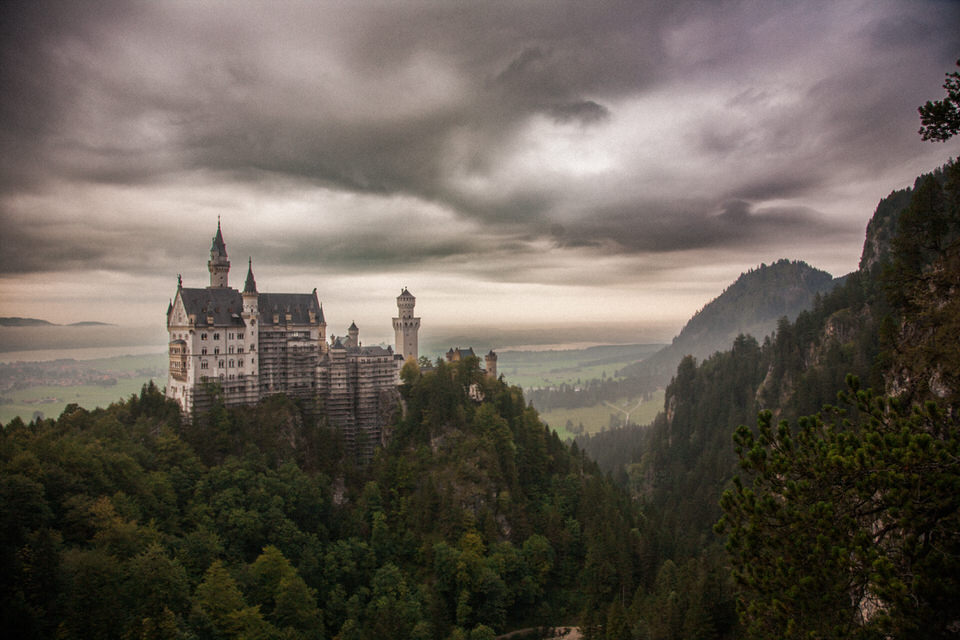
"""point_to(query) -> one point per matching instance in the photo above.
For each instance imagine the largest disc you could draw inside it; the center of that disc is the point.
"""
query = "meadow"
(48, 387)
(567, 422)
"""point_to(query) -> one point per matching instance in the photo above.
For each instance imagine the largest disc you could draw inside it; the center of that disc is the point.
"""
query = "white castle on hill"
(252, 345)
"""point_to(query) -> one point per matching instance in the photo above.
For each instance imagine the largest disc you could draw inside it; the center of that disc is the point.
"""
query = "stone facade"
(406, 327)
(251, 345)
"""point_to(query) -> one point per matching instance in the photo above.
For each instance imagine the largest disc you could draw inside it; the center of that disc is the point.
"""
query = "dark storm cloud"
(427, 100)
(676, 226)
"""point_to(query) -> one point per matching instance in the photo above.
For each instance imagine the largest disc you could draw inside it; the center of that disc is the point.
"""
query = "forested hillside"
(895, 326)
(123, 522)
(752, 305)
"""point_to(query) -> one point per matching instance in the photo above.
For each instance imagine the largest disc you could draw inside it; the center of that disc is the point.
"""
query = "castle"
(252, 345)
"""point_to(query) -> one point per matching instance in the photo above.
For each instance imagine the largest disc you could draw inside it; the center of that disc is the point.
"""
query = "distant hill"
(24, 322)
(36, 322)
(752, 305)
(894, 325)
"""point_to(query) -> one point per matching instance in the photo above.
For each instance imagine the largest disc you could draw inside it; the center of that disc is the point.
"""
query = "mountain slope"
(752, 305)
(895, 325)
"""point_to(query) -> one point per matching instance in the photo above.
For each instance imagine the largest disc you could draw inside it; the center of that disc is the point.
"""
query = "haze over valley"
(480, 321)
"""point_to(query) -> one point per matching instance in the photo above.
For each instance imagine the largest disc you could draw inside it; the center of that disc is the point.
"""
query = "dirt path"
(559, 633)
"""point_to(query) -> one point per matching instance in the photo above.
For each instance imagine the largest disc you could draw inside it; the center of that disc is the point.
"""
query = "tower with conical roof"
(249, 336)
(218, 264)
(250, 292)
(405, 327)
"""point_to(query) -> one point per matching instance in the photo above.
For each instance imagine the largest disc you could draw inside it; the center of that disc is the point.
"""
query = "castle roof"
(251, 285)
(223, 304)
(459, 354)
(298, 305)
(353, 327)
(375, 350)
(218, 246)
(405, 294)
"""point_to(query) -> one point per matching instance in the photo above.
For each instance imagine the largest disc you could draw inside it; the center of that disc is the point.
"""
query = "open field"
(548, 368)
(597, 417)
(51, 400)
(47, 387)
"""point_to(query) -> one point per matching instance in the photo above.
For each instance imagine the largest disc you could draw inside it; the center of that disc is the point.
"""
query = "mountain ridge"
(752, 305)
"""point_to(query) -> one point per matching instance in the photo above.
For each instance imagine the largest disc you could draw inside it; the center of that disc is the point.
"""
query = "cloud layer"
(505, 147)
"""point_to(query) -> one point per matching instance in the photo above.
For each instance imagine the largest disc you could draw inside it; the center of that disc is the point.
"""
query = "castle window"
(231, 364)
(203, 336)
(203, 351)
(240, 349)
(230, 349)
(220, 364)
(216, 336)
(216, 350)
(204, 364)
(240, 363)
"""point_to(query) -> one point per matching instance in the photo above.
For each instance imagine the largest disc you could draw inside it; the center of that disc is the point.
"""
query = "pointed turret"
(251, 285)
(218, 246)
(218, 265)
(250, 296)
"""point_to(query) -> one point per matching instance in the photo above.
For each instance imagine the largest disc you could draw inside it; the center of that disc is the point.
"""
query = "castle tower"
(406, 326)
(218, 264)
(491, 360)
(250, 294)
(354, 333)
(249, 340)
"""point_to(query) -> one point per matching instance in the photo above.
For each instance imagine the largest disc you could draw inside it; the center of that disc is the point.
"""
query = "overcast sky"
(512, 163)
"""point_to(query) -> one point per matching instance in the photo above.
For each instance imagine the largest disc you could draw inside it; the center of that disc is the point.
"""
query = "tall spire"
(251, 285)
(218, 264)
(218, 246)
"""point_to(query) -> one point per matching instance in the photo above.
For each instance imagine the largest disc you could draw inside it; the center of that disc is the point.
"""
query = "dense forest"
(891, 454)
(126, 522)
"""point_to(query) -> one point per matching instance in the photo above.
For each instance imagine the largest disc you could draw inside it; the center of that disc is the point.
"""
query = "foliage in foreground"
(850, 526)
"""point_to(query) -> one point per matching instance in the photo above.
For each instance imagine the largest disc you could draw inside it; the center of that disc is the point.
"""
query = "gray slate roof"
(251, 284)
(218, 246)
(298, 305)
(376, 350)
(224, 304)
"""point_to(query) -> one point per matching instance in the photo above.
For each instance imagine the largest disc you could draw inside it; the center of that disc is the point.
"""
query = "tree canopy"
(941, 118)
